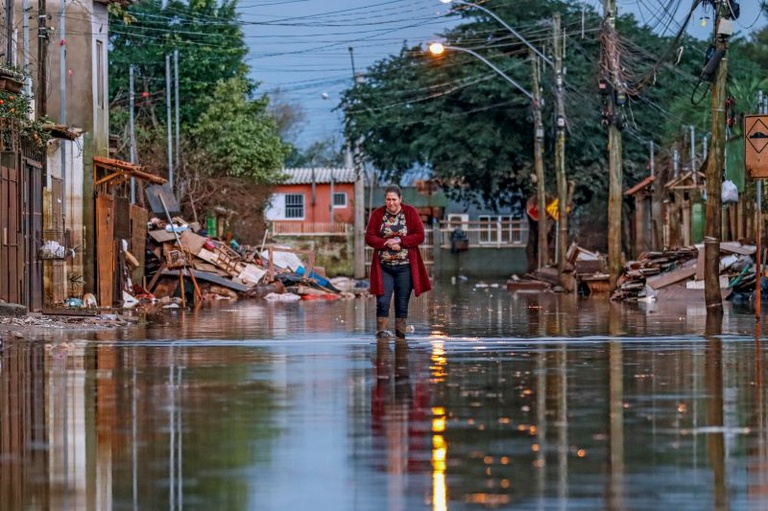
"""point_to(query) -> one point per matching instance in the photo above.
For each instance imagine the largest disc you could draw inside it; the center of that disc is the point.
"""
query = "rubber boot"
(382, 328)
(400, 327)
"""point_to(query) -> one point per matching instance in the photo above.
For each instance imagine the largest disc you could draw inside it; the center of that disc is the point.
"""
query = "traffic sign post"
(756, 165)
(756, 146)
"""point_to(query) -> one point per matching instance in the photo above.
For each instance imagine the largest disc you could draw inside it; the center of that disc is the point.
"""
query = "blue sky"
(301, 47)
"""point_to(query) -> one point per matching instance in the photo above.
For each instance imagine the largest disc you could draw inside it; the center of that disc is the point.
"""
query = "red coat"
(412, 241)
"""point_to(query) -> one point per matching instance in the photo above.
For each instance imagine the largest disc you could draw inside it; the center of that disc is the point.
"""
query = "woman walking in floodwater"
(395, 232)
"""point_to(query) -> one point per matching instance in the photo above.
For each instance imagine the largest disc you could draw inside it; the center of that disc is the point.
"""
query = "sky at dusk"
(301, 48)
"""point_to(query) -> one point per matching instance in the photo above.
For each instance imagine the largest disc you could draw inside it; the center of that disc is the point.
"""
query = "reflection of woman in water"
(398, 414)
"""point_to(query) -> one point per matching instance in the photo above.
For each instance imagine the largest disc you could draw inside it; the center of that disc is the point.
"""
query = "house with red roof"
(312, 201)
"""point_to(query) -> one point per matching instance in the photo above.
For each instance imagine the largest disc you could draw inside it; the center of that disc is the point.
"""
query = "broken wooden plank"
(191, 241)
(161, 235)
(672, 277)
(213, 278)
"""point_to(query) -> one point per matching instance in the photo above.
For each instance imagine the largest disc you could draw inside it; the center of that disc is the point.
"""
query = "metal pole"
(562, 186)
(9, 53)
(653, 158)
(538, 164)
(132, 128)
(63, 96)
(168, 118)
(758, 228)
(176, 94)
(42, 60)
(25, 54)
(694, 170)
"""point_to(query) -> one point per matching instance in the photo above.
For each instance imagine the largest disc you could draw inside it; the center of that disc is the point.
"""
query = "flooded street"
(498, 400)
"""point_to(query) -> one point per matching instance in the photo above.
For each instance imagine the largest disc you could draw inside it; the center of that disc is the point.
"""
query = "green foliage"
(238, 134)
(323, 153)
(16, 107)
(206, 34)
(474, 131)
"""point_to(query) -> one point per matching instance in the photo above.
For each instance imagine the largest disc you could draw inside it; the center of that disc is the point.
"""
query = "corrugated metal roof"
(309, 175)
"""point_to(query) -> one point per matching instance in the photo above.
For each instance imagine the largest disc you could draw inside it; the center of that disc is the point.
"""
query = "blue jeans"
(397, 280)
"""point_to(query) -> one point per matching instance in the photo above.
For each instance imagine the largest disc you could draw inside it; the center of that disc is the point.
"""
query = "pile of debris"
(679, 273)
(183, 261)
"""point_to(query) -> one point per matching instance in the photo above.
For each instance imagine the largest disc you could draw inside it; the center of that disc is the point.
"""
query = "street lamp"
(497, 18)
(538, 135)
(562, 193)
(438, 49)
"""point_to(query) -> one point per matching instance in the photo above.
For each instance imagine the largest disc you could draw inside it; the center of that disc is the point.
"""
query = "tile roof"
(308, 175)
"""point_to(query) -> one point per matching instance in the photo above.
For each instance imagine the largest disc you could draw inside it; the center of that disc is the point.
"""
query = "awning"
(118, 169)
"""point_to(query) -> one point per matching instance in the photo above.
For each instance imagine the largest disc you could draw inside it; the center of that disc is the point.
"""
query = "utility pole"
(615, 170)
(132, 128)
(538, 163)
(353, 152)
(562, 186)
(42, 59)
(716, 160)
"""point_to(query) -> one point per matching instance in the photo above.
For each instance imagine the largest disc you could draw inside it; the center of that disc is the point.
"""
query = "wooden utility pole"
(538, 163)
(562, 185)
(615, 170)
(716, 160)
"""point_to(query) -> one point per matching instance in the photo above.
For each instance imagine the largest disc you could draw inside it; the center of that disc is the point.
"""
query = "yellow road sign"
(756, 146)
(552, 209)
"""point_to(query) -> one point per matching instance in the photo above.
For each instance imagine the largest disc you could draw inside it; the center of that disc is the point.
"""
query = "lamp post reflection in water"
(439, 445)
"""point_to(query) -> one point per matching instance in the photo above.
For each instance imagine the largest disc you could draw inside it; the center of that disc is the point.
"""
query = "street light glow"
(437, 48)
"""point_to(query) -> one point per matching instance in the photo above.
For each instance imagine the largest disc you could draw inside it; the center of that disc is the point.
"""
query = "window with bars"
(495, 228)
(339, 200)
(294, 205)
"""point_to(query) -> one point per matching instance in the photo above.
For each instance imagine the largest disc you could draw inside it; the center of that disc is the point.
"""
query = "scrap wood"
(672, 277)
(192, 242)
(302, 290)
(161, 235)
(251, 274)
(222, 260)
(211, 277)
(737, 247)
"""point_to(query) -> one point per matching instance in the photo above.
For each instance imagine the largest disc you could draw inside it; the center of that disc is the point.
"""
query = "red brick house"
(313, 201)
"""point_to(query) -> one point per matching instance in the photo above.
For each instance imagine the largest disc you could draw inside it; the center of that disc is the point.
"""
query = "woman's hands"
(393, 244)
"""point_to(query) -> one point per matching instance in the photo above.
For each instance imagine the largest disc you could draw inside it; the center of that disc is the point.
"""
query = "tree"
(238, 135)
(323, 153)
(456, 116)
(231, 149)
(206, 34)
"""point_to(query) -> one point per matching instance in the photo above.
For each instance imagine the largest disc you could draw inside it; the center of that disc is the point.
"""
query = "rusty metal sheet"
(154, 193)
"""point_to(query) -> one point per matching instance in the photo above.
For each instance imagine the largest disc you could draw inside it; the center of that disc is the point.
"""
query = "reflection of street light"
(437, 49)
(497, 18)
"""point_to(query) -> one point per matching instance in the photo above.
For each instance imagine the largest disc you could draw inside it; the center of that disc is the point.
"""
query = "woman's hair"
(393, 189)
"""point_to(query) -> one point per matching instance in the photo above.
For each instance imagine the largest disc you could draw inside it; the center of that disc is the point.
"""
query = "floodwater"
(498, 400)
